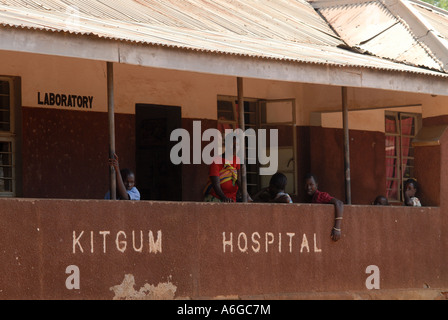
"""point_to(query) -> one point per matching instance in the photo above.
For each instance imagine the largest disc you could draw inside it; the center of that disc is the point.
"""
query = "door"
(157, 178)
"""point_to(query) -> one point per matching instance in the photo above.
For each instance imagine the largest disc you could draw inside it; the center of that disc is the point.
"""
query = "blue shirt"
(134, 194)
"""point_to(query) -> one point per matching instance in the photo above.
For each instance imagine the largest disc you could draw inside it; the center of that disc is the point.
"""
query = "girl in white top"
(410, 189)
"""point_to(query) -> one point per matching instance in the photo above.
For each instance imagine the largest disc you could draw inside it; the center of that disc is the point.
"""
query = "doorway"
(157, 177)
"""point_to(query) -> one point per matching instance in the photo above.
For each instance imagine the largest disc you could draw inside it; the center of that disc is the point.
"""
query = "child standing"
(410, 189)
(125, 180)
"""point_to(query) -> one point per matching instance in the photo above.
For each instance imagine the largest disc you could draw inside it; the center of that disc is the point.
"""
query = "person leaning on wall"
(316, 196)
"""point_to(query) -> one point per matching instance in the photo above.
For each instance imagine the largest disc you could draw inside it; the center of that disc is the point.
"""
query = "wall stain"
(126, 291)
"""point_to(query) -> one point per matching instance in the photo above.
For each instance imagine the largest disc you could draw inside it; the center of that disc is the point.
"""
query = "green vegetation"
(438, 3)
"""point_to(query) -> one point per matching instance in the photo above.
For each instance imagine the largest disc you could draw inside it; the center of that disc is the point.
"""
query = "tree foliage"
(438, 3)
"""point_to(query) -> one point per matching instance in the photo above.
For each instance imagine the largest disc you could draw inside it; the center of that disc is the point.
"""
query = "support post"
(348, 195)
(243, 145)
(111, 117)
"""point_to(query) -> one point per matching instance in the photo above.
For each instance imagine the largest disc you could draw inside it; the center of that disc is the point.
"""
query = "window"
(5, 106)
(264, 114)
(6, 177)
(280, 114)
(401, 128)
(7, 143)
(228, 118)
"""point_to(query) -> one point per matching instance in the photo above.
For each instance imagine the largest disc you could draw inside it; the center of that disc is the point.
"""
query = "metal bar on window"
(242, 126)
(111, 118)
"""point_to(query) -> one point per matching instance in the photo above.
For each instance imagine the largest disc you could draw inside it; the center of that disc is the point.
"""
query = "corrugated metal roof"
(290, 20)
(437, 17)
(289, 30)
(372, 28)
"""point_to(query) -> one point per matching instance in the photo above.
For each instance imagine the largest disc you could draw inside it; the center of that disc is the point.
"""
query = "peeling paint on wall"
(126, 291)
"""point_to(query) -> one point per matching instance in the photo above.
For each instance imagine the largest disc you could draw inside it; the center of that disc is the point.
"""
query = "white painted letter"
(227, 242)
(315, 244)
(91, 241)
(373, 281)
(155, 246)
(269, 235)
(304, 244)
(104, 234)
(290, 235)
(124, 243)
(257, 248)
(279, 242)
(244, 248)
(141, 241)
(76, 241)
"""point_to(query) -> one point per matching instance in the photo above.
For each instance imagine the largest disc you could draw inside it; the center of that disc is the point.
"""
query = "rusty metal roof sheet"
(289, 20)
(372, 28)
(437, 17)
(276, 29)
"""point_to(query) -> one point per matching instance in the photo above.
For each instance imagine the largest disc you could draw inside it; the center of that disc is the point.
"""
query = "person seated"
(381, 201)
(275, 192)
(223, 182)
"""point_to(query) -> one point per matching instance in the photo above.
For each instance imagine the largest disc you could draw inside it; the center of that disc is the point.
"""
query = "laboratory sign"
(64, 100)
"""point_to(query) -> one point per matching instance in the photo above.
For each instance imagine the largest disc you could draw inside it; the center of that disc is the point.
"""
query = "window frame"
(10, 136)
(399, 157)
(235, 124)
(260, 124)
